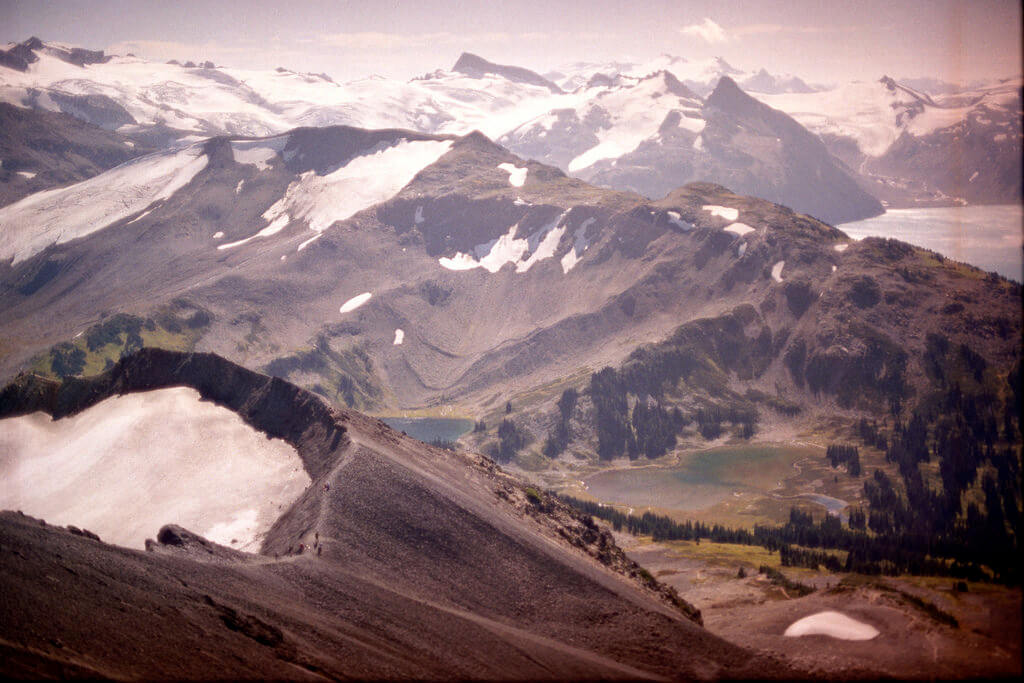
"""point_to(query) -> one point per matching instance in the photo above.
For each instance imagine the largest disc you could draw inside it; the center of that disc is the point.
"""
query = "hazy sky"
(820, 40)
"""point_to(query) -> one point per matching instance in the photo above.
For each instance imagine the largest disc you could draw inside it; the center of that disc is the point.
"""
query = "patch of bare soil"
(926, 629)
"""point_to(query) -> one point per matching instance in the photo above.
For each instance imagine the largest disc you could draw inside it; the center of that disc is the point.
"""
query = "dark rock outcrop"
(476, 67)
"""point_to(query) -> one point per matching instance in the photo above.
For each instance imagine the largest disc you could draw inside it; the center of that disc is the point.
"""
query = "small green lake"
(701, 479)
(429, 429)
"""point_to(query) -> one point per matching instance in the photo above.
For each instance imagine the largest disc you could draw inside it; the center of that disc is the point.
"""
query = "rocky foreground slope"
(418, 562)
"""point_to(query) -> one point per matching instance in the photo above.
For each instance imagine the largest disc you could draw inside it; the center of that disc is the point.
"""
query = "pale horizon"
(821, 42)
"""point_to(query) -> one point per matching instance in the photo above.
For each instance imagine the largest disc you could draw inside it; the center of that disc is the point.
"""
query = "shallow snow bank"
(258, 153)
(723, 211)
(841, 247)
(399, 337)
(132, 463)
(676, 218)
(355, 302)
(777, 271)
(580, 244)
(67, 213)
(276, 226)
(516, 176)
(492, 256)
(364, 181)
(832, 624)
(740, 229)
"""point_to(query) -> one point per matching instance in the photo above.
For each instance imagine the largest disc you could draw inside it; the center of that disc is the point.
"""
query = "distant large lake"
(988, 237)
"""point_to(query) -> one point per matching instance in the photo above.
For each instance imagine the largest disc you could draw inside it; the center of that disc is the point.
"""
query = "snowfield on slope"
(67, 213)
(257, 153)
(493, 255)
(130, 464)
(631, 115)
(374, 177)
(722, 211)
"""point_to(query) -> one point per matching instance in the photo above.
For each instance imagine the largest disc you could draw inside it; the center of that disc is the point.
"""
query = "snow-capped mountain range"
(589, 119)
(700, 76)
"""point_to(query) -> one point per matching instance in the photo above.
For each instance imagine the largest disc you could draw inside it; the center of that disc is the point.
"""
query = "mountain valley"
(691, 411)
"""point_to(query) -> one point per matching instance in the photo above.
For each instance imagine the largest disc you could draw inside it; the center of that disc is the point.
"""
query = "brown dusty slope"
(431, 564)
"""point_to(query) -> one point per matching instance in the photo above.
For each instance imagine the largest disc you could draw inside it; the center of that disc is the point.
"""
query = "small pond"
(429, 429)
(701, 479)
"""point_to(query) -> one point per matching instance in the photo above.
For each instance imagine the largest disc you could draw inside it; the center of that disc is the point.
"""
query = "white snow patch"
(723, 211)
(132, 463)
(741, 250)
(833, 268)
(841, 247)
(310, 241)
(238, 187)
(973, 177)
(30, 174)
(460, 261)
(520, 202)
(777, 271)
(399, 337)
(418, 218)
(276, 226)
(129, 143)
(355, 302)
(366, 180)
(516, 176)
(832, 624)
(491, 256)
(258, 153)
(698, 143)
(140, 216)
(549, 235)
(67, 213)
(740, 229)
(580, 245)
(218, 235)
(676, 218)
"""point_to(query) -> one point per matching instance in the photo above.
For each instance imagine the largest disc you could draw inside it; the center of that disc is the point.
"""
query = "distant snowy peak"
(875, 114)
(764, 82)
(699, 76)
(606, 122)
(19, 56)
(475, 67)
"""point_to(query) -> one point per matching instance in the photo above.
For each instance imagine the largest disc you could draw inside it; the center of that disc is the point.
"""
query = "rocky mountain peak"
(675, 86)
(475, 66)
(728, 96)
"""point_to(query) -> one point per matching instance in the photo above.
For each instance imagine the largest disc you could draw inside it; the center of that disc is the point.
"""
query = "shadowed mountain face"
(42, 149)
(417, 562)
